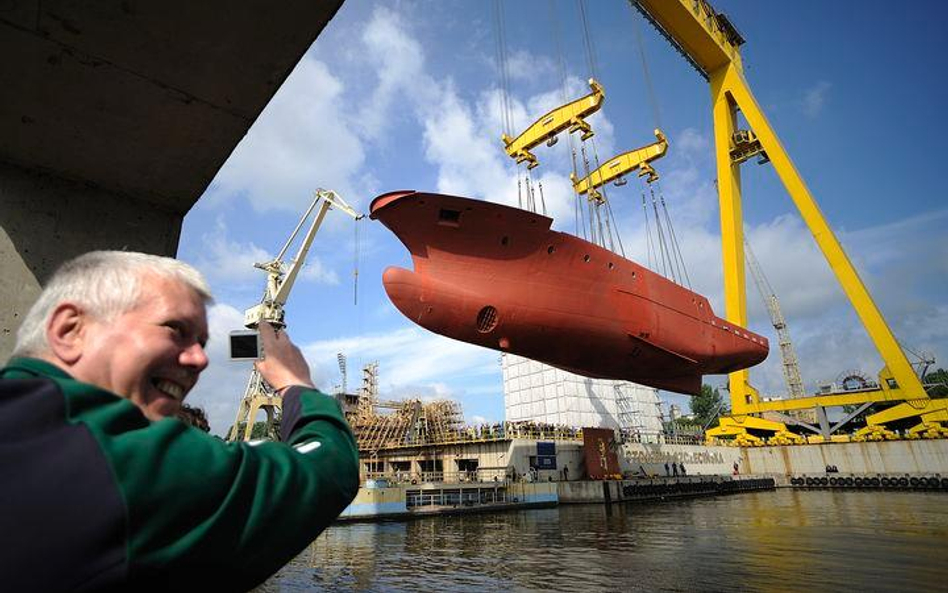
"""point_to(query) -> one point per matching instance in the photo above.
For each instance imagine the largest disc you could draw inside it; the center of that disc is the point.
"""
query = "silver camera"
(245, 344)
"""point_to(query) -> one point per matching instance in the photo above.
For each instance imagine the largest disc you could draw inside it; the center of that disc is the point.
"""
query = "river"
(785, 540)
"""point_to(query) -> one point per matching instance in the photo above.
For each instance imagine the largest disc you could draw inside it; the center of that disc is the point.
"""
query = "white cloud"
(303, 140)
(222, 384)
(230, 263)
(899, 264)
(794, 266)
(526, 66)
(814, 99)
(409, 356)
(691, 142)
(399, 61)
(461, 138)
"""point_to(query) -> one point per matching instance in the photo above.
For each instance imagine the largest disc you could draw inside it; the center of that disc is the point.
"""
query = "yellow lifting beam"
(570, 116)
(615, 168)
(711, 43)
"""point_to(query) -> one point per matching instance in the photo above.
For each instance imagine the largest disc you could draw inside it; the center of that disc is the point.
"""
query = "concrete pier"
(117, 115)
(912, 457)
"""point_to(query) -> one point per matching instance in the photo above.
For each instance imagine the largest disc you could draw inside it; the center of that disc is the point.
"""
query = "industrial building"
(536, 392)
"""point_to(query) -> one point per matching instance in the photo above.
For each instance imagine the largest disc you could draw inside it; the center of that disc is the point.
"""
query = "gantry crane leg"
(931, 413)
(732, 231)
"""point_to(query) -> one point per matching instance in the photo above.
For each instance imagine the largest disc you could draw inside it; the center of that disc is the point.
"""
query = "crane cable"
(648, 235)
(579, 214)
(506, 108)
(526, 192)
(662, 247)
(671, 252)
(355, 263)
(594, 215)
(679, 259)
(502, 68)
(611, 236)
(588, 41)
(640, 42)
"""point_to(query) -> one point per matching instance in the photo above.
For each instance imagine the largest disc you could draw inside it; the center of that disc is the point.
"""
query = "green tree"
(937, 382)
(707, 406)
(259, 430)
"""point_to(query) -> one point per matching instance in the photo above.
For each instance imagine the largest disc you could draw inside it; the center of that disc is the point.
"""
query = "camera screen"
(243, 345)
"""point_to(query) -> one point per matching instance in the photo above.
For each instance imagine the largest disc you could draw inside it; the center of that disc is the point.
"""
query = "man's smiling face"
(151, 354)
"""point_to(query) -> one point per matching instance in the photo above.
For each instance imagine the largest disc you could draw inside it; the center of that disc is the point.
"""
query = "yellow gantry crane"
(710, 42)
(567, 117)
(615, 169)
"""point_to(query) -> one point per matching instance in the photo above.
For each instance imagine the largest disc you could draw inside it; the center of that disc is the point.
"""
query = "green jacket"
(96, 496)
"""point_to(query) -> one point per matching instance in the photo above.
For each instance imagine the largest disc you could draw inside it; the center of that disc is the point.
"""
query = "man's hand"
(283, 364)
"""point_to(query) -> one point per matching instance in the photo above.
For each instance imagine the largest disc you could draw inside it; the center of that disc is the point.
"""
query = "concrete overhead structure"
(116, 116)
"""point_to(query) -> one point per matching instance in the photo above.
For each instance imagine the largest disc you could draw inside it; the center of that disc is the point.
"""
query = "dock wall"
(374, 501)
(610, 491)
(699, 460)
(915, 457)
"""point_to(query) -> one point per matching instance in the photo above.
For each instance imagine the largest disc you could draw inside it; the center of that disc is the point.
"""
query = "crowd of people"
(520, 429)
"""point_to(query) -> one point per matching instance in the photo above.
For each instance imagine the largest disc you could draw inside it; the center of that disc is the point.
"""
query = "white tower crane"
(280, 280)
(791, 367)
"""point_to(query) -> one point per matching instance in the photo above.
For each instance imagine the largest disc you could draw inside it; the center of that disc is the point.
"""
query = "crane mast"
(791, 366)
(280, 277)
(280, 280)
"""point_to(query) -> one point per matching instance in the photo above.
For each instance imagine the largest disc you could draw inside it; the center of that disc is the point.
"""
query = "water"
(769, 541)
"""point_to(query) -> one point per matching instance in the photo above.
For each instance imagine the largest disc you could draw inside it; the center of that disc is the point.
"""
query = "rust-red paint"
(499, 277)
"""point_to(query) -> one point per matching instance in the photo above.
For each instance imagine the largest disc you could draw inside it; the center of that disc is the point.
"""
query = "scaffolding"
(381, 425)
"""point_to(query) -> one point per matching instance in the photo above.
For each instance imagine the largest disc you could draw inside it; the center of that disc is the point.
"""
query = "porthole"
(612, 266)
(586, 258)
(487, 319)
(550, 249)
(505, 240)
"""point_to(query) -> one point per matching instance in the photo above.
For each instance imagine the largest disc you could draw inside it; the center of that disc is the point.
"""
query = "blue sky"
(405, 95)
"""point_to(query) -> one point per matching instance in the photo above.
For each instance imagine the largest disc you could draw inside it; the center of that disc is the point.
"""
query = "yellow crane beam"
(570, 116)
(705, 37)
(620, 165)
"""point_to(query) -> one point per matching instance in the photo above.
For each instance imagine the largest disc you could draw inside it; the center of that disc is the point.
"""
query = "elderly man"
(102, 488)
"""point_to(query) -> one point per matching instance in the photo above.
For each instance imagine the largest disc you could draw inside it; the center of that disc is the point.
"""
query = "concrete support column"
(824, 422)
(45, 220)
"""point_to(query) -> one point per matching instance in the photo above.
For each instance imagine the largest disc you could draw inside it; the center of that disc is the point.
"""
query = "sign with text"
(599, 451)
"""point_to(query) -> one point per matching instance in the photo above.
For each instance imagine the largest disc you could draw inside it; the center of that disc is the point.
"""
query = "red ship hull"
(499, 277)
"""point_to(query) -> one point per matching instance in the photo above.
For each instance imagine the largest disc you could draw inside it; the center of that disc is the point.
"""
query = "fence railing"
(491, 475)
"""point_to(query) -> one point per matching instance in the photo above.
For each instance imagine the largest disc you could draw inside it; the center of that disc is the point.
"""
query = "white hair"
(105, 284)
